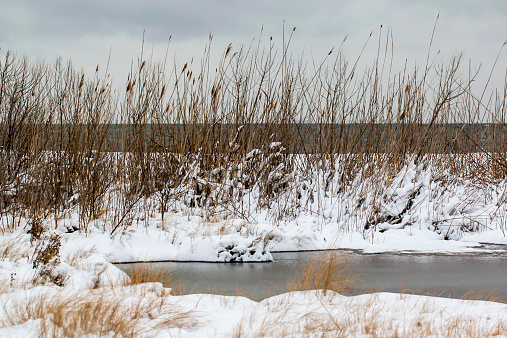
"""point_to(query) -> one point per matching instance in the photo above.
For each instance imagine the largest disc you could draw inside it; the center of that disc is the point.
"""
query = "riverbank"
(76, 290)
(149, 309)
(422, 208)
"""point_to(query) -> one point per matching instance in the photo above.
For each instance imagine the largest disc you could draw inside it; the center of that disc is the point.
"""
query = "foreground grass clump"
(123, 312)
(327, 272)
(150, 273)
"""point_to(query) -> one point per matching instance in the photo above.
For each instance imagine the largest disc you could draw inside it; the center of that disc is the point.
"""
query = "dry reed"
(182, 135)
(329, 271)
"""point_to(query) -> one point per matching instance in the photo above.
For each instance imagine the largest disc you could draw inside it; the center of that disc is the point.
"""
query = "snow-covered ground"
(420, 210)
(149, 310)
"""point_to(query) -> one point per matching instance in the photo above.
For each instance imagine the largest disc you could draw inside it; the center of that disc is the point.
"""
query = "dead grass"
(331, 315)
(73, 144)
(122, 312)
(317, 314)
(15, 248)
(328, 271)
(147, 273)
(76, 257)
(478, 293)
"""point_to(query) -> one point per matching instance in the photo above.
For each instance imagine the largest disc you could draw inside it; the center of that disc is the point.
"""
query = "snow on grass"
(149, 310)
(420, 208)
(319, 313)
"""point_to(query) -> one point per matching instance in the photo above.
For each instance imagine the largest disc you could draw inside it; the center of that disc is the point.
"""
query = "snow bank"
(308, 313)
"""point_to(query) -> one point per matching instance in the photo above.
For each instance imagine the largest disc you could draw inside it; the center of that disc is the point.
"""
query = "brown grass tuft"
(326, 272)
(148, 273)
(15, 248)
(100, 312)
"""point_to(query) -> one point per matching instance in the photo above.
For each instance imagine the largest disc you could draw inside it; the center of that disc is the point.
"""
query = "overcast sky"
(86, 31)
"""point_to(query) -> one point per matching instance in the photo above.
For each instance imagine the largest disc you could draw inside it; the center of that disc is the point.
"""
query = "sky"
(93, 32)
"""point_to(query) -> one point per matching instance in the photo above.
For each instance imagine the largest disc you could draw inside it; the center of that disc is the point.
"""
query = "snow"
(419, 210)
(291, 314)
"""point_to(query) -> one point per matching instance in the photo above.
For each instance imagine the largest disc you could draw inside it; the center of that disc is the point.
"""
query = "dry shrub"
(325, 272)
(45, 259)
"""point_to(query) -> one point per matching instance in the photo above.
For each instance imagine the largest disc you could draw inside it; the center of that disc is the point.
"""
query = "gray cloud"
(85, 30)
(184, 19)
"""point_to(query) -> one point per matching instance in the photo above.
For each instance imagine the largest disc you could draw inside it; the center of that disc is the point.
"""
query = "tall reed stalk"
(205, 135)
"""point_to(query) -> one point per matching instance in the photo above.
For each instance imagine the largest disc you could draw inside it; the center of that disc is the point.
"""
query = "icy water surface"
(436, 274)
